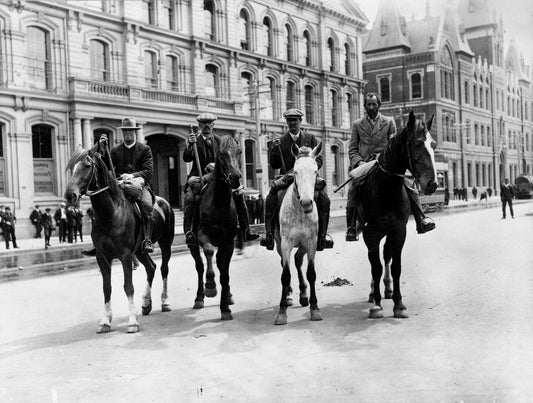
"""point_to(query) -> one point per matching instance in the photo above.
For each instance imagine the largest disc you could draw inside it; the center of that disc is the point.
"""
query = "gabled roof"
(476, 13)
(388, 30)
(515, 63)
(347, 7)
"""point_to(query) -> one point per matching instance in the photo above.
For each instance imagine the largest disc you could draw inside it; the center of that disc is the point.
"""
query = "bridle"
(93, 178)
(411, 166)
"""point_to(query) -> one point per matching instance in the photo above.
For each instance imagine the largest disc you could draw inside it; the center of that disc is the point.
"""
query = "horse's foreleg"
(105, 269)
(387, 257)
(224, 255)
(199, 266)
(127, 264)
(376, 312)
(210, 285)
(311, 277)
(165, 257)
(149, 266)
(298, 261)
(399, 310)
(281, 317)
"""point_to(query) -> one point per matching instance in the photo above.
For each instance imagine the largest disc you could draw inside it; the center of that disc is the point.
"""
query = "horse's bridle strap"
(94, 193)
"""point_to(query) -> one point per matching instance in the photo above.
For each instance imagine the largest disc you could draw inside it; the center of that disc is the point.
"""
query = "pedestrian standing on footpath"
(260, 209)
(48, 226)
(506, 196)
(79, 224)
(35, 218)
(60, 218)
(8, 225)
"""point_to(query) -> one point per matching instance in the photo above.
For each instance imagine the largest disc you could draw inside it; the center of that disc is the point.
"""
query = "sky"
(517, 18)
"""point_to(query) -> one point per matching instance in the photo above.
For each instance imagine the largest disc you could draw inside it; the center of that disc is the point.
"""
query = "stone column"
(77, 132)
(87, 134)
(140, 133)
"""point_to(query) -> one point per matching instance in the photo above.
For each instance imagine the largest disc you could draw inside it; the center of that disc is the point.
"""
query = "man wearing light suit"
(370, 136)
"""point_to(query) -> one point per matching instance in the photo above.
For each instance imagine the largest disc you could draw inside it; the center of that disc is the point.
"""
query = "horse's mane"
(78, 156)
(227, 141)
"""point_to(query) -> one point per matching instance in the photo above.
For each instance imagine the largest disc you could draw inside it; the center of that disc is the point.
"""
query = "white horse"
(298, 228)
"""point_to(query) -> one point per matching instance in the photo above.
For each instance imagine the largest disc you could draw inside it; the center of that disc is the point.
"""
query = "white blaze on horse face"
(428, 142)
(305, 170)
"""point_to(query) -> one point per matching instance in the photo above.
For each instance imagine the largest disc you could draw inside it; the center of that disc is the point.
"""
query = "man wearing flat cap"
(282, 158)
(133, 162)
(207, 146)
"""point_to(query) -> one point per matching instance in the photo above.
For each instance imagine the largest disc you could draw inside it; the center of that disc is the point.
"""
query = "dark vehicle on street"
(524, 187)
(434, 202)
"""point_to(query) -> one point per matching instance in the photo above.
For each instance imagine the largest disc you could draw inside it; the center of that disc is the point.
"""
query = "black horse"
(116, 232)
(386, 208)
(217, 225)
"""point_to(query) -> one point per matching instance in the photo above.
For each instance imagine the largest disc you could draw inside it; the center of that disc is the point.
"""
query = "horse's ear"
(295, 150)
(430, 122)
(412, 119)
(316, 151)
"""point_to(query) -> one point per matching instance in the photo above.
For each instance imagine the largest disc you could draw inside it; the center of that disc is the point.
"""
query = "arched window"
(347, 59)
(447, 74)
(309, 105)
(416, 86)
(43, 163)
(308, 49)
(384, 89)
(267, 37)
(97, 133)
(244, 30)
(337, 165)
(172, 71)
(249, 157)
(211, 81)
(39, 63)
(150, 69)
(291, 95)
(289, 43)
(247, 91)
(334, 101)
(210, 19)
(331, 55)
(99, 54)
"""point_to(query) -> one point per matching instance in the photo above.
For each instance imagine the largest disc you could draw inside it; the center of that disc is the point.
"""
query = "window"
(291, 95)
(447, 128)
(416, 86)
(480, 97)
(249, 158)
(99, 54)
(308, 48)
(39, 64)
(211, 81)
(149, 11)
(337, 165)
(172, 73)
(475, 94)
(209, 19)
(268, 98)
(384, 88)
(335, 113)
(289, 43)
(347, 60)
(467, 89)
(150, 69)
(247, 92)
(43, 163)
(349, 109)
(487, 99)
(98, 133)
(483, 140)
(169, 14)
(447, 82)
(331, 55)
(309, 105)
(476, 134)
(244, 30)
(489, 137)
(267, 37)
(468, 132)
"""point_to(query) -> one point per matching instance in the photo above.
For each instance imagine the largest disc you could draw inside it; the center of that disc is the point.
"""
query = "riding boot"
(189, 212)
(423, 223)
(244, 221)
(147, 246)
(351, 233)
(270, 207)
(323, 206)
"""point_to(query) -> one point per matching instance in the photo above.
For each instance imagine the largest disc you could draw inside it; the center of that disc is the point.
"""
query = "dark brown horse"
(386, 207)
(115, 232)
(217, 225)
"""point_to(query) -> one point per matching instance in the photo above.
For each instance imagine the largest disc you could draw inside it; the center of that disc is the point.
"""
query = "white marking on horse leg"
(132, 321)
(147, 295)
(108, 315)
(164, 293)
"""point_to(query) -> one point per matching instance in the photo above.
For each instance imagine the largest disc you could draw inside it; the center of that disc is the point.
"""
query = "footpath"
(31, 258)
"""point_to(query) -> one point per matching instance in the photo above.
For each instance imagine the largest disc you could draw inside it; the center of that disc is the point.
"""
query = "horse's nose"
(307, 205)
(431, 187)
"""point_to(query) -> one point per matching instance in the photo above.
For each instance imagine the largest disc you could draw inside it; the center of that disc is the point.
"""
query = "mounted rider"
(282, 158)
(370, 136)
(207, 146)
(133, 166)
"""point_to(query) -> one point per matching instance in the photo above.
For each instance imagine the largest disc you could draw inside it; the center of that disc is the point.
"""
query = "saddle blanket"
(361, 172)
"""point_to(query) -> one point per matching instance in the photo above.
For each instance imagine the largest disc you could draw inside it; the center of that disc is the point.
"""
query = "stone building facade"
(72, 70)
(453, 67)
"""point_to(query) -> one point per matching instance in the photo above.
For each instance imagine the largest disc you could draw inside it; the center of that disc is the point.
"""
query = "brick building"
(453, 67)
(71, 70)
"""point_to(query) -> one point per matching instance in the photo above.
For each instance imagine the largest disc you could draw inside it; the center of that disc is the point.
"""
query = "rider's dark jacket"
(284, 151)
(203, 154)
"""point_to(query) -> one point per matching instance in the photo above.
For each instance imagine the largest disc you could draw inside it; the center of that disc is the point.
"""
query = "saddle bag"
(132, 188)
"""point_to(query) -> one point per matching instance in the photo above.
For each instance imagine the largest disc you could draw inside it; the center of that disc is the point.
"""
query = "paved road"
(468, 287)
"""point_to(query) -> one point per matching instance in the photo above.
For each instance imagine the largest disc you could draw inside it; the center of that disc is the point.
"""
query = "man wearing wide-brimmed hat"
(132, 161)
(207, 146)
(282, 158)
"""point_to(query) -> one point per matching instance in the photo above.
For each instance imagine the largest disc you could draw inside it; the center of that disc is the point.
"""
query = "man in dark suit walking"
(60, 218)
(35, 218)
(282, 158)
(506, 196)
(207, 146)
(8, 225)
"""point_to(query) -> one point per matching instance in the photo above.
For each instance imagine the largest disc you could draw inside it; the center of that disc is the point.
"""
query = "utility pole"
(259, 165)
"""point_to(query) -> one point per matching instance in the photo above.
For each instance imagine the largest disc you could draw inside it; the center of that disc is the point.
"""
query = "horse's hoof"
(281, 319)
(165, 308)
(147, 309)
(400, 313)
(226, 316)
(103, 329)
(210, 292)
(133, 328)
(316, 315)
(289, 301)
(198, 305)
(304, 301)
(388, 294)
(376, 312)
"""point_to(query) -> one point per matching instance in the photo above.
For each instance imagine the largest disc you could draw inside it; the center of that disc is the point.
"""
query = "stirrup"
(351, 235)
(426, 225)
(147, 246)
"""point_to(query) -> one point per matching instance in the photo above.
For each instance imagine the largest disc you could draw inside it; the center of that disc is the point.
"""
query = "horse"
(386, 207)
(217, 225)
(298, 228)
(114, 232)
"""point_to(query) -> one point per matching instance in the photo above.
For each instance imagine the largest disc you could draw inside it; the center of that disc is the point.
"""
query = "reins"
(409, 161)
(94, 177)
